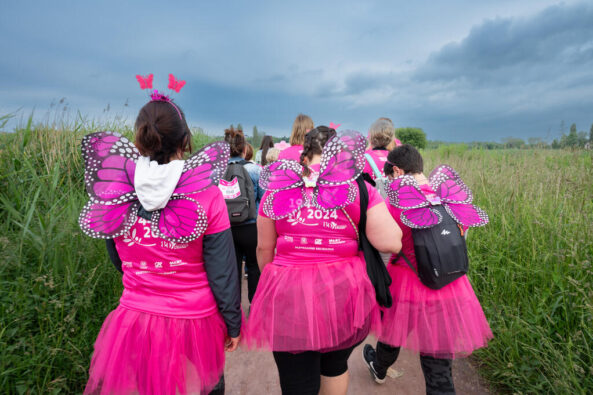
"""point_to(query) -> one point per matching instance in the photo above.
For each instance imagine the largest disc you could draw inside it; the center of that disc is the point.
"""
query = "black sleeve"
(221, 270)
(113, 255)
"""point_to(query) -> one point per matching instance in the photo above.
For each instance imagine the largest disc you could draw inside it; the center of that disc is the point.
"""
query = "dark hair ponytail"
(315, 140)
(161, 132)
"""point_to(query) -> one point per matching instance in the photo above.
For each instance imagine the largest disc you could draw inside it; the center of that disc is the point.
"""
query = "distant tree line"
(417, 137)
(572, 140)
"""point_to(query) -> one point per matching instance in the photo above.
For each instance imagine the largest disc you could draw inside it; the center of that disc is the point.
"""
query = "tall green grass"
(531, 266)
(57, 284)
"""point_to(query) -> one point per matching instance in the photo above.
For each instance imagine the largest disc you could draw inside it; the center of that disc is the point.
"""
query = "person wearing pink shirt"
(381, 136)
(180, 306)
(315, 302)
(302, 124)
(439, 324)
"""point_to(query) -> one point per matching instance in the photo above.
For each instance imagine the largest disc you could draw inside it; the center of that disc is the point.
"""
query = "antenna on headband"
(174, 85)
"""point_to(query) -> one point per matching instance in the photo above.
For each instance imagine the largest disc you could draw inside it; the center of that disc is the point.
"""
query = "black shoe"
(369, 356)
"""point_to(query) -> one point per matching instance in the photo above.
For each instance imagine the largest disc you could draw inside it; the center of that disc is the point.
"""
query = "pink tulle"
(318, 307)
(444, 323)
(143, 353)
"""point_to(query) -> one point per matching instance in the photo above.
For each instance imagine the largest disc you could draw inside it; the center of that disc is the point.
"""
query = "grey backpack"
(238, 192)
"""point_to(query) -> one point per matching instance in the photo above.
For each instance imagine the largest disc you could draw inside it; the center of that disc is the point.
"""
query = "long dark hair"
(315, 140)
(161, 132)
(266, 143)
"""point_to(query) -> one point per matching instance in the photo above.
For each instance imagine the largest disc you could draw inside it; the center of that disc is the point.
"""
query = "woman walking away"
(180, 307)
(381, 135)
(266, 143)
(445, 320)
(244, 176)
(315, 302)
(301, 126)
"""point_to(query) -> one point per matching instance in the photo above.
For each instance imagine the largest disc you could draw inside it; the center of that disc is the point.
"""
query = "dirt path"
(254, 373)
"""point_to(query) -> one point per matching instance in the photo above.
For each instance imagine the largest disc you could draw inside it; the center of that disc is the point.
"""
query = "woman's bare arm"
(266, 241)
(382, 230)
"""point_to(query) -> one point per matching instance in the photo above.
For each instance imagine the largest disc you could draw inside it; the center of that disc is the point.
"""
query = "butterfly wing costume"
(110, 164)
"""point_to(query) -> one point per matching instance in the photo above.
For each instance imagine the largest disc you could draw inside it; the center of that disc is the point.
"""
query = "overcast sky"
(461, 70)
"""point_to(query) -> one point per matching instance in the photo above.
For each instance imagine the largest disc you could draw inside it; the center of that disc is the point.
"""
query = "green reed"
(531, 266)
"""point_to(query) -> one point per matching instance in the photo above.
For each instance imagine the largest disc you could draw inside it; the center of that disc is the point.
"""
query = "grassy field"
(531, 266)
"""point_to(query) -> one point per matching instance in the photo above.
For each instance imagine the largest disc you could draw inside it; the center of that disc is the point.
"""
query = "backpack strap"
(364, 203)
(373, 165)
(401, 254)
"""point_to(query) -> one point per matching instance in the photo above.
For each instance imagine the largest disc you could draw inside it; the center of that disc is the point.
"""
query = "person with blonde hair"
(381, 137)
(272, 155)
(302, 124)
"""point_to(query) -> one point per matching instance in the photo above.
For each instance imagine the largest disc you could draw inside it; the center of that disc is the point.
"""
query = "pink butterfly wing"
(105, 221)
(280, 175)
(467, 214)
(404, 192)
(418, 218)
(110, 164)
(334, 197)
(182, 220)
(449, 186)
(342, 159)
(203, 169)
(279, 204)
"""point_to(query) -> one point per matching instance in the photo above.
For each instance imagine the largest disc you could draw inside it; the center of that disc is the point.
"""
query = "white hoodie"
(155, 183)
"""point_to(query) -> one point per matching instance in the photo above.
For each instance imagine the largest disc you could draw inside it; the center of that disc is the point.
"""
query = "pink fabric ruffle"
(312, 307)
(444, 323)
(138, 352)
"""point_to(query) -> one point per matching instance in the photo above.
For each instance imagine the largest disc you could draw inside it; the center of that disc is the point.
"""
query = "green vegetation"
(531, 266)
(412, 136)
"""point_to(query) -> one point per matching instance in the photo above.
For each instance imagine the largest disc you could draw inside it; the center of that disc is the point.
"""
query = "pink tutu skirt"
(142, 353)
(444, 323)
(312, 307)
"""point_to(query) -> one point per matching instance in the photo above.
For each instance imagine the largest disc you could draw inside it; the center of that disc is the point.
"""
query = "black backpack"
(441, 252)
(237, 189)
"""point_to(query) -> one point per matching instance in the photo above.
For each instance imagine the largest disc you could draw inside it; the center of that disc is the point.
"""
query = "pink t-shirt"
(379, 157)
(293, 152)
(318, 236)
(167, 278)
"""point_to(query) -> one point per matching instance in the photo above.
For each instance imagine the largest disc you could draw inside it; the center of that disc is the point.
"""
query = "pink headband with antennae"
(174, 84)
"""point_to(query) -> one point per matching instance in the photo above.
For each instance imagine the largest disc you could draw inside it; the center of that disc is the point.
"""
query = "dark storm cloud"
(557, 40)
(508, 76)
(347, 62)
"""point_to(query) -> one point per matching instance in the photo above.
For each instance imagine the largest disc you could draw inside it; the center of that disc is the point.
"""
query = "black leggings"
(219, 388)
(245, 241)
(301, 373)
(437, 371)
